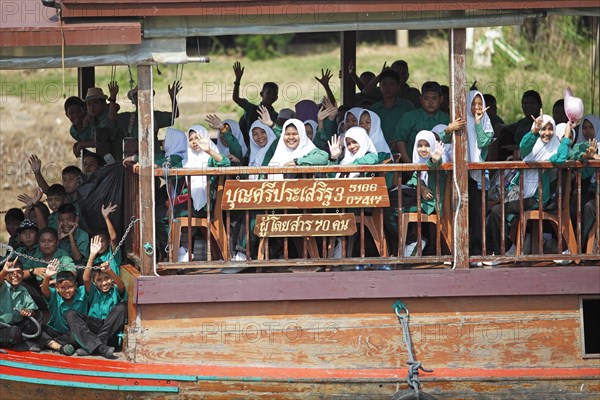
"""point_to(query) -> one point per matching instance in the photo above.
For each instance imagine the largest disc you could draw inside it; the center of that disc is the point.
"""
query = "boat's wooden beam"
(146, 168)
(86, 78)
(367, 284)
(458, 100)
(348, 54)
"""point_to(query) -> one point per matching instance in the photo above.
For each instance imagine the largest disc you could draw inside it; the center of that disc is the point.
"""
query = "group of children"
(60, 290)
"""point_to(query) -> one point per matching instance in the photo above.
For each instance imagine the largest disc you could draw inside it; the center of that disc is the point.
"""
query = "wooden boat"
(521, 331)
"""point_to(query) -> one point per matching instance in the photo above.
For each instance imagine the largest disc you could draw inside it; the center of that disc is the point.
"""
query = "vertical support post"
(458, 97)
(348, 54)
(86, 78)
(146, 171)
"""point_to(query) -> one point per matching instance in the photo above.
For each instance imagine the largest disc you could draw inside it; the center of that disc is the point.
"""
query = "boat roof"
(116, 32)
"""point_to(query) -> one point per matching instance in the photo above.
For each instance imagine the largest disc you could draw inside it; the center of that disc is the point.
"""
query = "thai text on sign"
(297, 225)
(305, 194)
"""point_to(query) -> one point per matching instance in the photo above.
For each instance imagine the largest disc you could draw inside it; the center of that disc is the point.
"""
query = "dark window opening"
(591, 326)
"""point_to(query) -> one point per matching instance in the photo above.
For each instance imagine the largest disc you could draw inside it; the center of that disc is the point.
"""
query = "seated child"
(12, 220)
(108, 242)
(359, 149)
(48, 250)
(97, 331)
(72, 239)
(16, 306)
(64, 297)
(91, 162)
(540, 144)
(425, 141)
(29, 246)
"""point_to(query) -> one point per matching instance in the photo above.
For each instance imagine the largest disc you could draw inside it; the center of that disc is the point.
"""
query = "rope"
(62, 49)
(413, 365)
(38, 328)
(42, 261)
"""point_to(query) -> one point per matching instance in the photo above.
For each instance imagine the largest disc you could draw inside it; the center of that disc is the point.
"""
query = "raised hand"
(28, 200)
(204, 143)
(436, 155)
(51, 269)
(479, 115)
(35, 164)
(325, 77)
(537, 126)
(95, 245)
(9, 266)
(173, 90)
(214, 121)
(335, 148)
(264, 116)
(351, 67)
(238, 70)
(592, 149)
(113, 89)
(106, 211)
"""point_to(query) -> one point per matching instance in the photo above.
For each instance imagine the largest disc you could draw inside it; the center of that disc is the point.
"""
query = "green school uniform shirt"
(428, 206)
(101, 304)
(84, 134)
(53, 220)
(58, 308)
(115, 263)
(367, 159)
(526, 147)
(577, 153)
(26, 263)
(14, 297)
(415, 121)
(82, 240)
(323, 135)
(391, 117)
(64, 259)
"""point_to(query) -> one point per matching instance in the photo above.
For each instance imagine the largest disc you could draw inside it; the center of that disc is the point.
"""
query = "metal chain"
(413, 365)
(42, 261)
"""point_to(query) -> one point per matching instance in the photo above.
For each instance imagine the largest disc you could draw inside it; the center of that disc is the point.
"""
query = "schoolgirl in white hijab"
(313, 124)
(365, 146)
(198, 158)
(429, 137)
(545, 147)
(477, 144)
(291, 146)
(595, 122)
(237, 133)
(374, 130)
(258, 149)
(350, 116)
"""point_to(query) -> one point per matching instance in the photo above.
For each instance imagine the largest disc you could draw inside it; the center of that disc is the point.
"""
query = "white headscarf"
(198, 160)
(257, 153)
(237, 133)
(541, 152)
(365, 144)
(376, 134)
(313, 125)
(176, 143)
(474, 150)
(595, 121)
(416, 158)
(356, 111)
(283, 154)
(438, 129)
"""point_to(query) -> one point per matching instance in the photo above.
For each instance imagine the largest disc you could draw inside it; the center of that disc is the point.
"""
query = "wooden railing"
(316, 248)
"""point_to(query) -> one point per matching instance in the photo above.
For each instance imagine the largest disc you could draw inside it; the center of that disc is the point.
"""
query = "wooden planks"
(492, 332)
(305, 194)
(300, 225)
